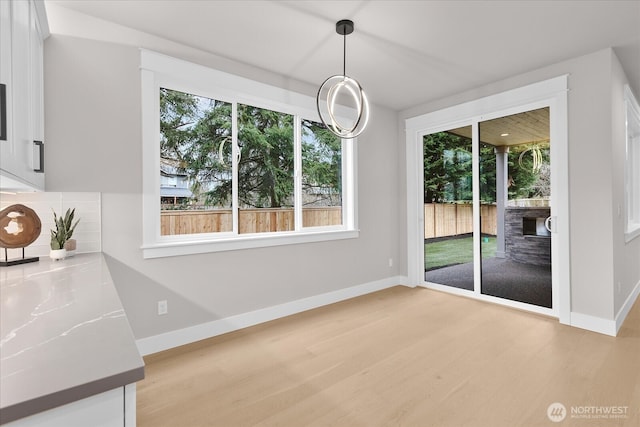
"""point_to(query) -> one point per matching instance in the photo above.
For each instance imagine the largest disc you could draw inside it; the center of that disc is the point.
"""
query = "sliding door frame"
(551, 93)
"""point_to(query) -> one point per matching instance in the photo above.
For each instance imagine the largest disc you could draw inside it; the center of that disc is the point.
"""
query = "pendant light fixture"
(343, 86)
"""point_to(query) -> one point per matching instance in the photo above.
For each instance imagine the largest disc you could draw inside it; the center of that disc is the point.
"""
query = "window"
(230, 163)
(265, 170)
(195, 150)
(321, 176)
(632, 167)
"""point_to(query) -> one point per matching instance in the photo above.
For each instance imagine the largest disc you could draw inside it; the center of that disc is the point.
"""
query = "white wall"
(626, 256)
(92, 110)
(594, 180)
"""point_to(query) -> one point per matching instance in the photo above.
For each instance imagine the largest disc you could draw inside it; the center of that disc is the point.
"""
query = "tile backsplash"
(88, 210)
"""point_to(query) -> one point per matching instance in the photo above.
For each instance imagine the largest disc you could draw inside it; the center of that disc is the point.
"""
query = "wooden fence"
(440, 220)
(250, 220)
(449, 219)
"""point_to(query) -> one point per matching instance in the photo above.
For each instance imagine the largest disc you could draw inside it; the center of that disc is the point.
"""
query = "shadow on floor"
(502, 278)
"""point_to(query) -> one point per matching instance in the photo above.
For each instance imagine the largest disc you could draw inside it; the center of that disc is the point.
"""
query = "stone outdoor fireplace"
(526, 238)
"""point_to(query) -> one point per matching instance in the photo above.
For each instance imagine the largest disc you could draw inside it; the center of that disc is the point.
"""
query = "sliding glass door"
(486, 207)
(515, 190)
(448, 208)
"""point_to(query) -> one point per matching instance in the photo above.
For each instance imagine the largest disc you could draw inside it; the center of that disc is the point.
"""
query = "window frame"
(158, 70)
(632, 168)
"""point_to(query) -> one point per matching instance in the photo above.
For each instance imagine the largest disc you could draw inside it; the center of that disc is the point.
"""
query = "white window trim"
(632, 168)
(159, 70)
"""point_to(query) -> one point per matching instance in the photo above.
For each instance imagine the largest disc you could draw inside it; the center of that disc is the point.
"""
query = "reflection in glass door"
(448, 208)
(515, 191)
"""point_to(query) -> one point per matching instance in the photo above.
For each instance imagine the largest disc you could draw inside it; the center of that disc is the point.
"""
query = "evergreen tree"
(321, 165)
(265, 170)
(448, 170)
(196, 139)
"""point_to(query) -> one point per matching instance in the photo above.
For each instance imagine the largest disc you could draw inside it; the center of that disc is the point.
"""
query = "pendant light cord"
(344, 54)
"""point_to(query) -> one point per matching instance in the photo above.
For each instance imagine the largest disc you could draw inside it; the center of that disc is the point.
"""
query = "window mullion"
(235, 153)
(348, 183)
(297, 172)
(347, 217)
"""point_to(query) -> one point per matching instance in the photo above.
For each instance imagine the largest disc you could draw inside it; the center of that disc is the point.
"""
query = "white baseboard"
(606, 326)
(592, 323)
(202, 331)
(626, 307)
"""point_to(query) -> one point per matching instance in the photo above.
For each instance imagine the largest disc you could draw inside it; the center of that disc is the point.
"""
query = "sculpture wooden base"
(9, 263)
(18, 261)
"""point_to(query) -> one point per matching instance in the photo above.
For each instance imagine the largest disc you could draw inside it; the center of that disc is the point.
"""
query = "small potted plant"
(62, 233)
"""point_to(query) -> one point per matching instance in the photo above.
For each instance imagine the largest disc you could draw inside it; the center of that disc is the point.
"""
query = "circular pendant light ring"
(326, 104)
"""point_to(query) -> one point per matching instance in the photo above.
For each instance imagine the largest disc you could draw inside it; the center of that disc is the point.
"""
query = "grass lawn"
(455, 251)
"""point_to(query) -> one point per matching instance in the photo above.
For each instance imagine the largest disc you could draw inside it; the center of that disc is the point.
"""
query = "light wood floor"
(399, 357)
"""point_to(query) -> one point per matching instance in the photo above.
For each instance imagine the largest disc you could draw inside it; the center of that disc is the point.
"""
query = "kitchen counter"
(64, 335)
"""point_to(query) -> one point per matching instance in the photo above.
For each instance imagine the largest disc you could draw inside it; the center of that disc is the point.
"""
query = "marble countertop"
(64, 335)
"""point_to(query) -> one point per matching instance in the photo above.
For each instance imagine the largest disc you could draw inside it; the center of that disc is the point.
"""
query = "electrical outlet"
(619, 287)
(163, 307)
(390, 262)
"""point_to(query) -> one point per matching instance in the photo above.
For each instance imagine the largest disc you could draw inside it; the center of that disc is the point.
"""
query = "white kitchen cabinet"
(22, 32)
(108, 409)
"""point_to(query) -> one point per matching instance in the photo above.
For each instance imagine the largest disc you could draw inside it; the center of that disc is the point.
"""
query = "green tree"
(265, 170)
(526, 180)
(321, 165)
(196, 138)
(447, 170)
(487, 173)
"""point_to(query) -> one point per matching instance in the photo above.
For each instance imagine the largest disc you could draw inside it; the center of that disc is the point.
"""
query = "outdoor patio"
(502, 278)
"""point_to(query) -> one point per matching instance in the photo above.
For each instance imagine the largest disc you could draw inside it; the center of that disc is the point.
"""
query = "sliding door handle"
(549, 224)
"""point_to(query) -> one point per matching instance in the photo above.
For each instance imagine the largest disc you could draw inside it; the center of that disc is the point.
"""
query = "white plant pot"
(57, 254)
(70, 246)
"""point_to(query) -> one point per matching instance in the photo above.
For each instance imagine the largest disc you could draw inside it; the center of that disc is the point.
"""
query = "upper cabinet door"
(20, 88)
(37, 76)
(21, 73)
(5, 73)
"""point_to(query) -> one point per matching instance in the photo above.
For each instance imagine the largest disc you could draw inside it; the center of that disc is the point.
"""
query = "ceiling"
(517, 129)
(404, 53)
